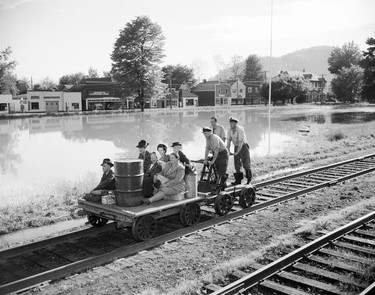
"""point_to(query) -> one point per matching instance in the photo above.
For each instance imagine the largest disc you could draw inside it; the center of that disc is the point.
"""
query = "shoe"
(238, 176)
(81, 213)
(146, 202)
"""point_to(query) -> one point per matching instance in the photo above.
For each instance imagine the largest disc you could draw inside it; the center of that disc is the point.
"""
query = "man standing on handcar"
(236, 134)
(220, 156)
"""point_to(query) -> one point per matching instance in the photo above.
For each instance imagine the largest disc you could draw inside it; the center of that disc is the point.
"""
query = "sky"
(52, 38)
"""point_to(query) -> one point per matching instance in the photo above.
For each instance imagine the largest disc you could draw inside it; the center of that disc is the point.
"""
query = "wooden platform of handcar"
(158, 209)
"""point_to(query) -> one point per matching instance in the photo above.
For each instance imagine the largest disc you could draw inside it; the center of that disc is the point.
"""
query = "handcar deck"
(116, 212)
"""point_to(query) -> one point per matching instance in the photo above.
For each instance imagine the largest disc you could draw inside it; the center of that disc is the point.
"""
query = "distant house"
(213, 93)
(172, 97)
(315, 85)
(253, 92)
(188, 99)
(238, 92)
(100, 94)
(53, 101)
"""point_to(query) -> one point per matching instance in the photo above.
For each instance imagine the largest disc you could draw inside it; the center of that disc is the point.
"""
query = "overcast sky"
(51, 38)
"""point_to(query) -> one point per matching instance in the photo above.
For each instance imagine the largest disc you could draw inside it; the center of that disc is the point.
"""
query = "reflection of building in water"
(58, 124)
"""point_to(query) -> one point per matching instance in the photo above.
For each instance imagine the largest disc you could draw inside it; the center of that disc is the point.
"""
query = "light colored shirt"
(237, 136)
(214, 142)
(219, 131)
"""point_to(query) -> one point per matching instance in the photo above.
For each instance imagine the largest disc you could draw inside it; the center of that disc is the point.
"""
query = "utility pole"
(322, 86)
(170, 89)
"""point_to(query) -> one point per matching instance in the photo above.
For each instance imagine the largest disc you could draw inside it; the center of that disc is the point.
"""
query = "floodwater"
(37, 154)
(336, 118)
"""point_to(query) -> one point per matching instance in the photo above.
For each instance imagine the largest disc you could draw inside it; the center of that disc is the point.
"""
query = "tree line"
(139, 50)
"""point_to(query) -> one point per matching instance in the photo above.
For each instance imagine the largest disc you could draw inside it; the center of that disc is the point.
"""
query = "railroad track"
(33, 264)
(340, 262)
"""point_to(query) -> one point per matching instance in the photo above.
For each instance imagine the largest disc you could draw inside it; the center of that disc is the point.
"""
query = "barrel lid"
(128, 160)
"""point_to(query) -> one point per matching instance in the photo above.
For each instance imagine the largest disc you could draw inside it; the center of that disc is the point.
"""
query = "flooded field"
(54, 153)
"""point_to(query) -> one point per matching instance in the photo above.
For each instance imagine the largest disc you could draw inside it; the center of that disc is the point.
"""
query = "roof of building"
(103, 80)
(185, 93)
(205, 86)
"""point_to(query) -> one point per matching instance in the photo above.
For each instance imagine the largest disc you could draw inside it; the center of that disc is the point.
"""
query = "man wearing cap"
(218, 129)
(107, 182)
(220, 156)
(144, 154)
(237, 136)
(183, 159)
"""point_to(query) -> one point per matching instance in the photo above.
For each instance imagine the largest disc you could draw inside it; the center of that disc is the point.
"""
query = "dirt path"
(185, 264)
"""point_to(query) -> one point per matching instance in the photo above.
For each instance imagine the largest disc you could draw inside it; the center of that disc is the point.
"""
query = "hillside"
(313, 59)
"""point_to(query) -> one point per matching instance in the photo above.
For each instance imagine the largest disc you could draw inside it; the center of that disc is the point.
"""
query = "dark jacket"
(184, 161)
(107, 182)
(148, 186)
(146, 157)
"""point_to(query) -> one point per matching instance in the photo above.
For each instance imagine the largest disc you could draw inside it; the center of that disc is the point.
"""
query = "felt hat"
(176, 144)
(233, 119)
(142, 144)
(206, 129)
(107, 161)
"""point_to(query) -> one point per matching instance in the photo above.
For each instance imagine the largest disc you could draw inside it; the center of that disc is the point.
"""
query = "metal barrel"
(129, 179)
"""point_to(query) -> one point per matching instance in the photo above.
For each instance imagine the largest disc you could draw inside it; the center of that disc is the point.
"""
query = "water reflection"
(336, 118)
(37, 152)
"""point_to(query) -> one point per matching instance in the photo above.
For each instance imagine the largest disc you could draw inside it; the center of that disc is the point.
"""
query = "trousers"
(242, 158)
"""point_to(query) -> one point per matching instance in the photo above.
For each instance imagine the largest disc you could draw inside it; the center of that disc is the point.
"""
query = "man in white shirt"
(218, 129)
(237, 136)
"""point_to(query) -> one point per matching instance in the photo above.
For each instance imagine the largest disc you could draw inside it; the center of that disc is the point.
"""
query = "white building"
(53, 101)
(238, 92)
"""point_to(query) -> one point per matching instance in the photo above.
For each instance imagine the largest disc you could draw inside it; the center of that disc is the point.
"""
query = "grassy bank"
(321, 146)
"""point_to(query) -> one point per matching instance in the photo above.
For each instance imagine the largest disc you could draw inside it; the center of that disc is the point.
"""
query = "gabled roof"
(185, 93)
(205, 86)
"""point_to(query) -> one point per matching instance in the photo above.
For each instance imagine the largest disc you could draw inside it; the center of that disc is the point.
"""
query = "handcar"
(142, 219)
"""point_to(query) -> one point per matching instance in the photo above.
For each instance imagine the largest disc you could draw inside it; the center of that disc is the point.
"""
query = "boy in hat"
(183, 159)
(237, 136)
(144, 154)
(107, 183)
(220, 156)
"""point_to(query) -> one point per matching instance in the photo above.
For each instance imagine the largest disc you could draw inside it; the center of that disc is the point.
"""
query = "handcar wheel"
(190, 214)
(144, 228)
(96, 221)
(223, 203)
(247, 197)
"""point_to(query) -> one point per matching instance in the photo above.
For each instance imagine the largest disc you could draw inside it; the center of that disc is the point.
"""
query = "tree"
(347, 83)
(137, 52)
(93, 73)
(344, 57)
(253, 68)
(199, 67)
(179, 74)
(279, 91)
(368, 65)
(71, 79)
(237, 67)
(8, 80)
(220, 66)
(47, 84)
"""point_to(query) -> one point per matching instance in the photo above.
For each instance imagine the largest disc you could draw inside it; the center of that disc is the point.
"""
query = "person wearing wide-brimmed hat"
(107, 183)
(183, 159)
(237, 136)
(216, 146)
(144, 154)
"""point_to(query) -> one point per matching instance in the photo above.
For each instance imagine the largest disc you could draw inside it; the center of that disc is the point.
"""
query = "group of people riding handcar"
(164, 177)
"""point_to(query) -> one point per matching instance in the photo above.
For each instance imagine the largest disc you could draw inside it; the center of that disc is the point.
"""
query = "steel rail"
(271, 269)
(124, 251)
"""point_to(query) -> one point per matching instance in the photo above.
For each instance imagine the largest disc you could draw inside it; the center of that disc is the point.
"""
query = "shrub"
(336, 135)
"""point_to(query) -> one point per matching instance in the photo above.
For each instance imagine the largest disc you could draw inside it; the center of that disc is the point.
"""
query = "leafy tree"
(93, 73)
(47, 84)
(279, 92)
(71, 79)
(368, 65)
(344, 57)
(8, 80)
(106, 74)
(237, 67)
(137, 52)
(253, 68)
(347, 83)
(179, 73)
